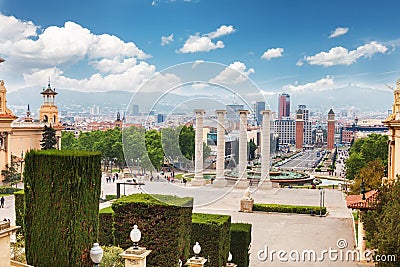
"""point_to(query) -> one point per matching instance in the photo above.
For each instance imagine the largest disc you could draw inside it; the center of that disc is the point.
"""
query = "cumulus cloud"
(342, 56)
(319, 85)
(204, 43)
(235, 73)
(166, 40)
(272, 53)
(338, 32)
(39, 54)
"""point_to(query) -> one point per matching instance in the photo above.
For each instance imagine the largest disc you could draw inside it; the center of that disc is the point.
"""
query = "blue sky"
(290, 46)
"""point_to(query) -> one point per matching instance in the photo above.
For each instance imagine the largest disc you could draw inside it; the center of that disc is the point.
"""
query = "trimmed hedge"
(62, 191)
(240, 243)
(19, 208)
(212, 231)
(106, 225)
(288, 208)
(8, 190)
(165, 223)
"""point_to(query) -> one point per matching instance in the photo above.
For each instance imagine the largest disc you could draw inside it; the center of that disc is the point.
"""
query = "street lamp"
(135, 236)
(96, 254)
(196, 250)
(229, 257)
(363, 191)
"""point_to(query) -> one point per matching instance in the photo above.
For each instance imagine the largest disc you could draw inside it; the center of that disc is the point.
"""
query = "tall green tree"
(49, 140)
(154, 148)
(371, 174)
(364, 150)
(186, 141)
(382, 223)
(68, 141)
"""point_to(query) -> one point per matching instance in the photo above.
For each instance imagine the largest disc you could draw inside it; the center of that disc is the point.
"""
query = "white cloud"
(300, 62)
(235, 73)
(37, 55)
(196, 43)
(338, 32)
(166, 40)
(221, 31)
(341, 56)
(320, 85)
(272, 53)
(12, 29)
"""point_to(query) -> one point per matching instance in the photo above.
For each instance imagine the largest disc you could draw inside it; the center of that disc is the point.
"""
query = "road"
(303, 162)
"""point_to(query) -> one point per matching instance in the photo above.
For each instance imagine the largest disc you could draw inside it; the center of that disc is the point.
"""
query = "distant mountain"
(357, 97)
(349, 96)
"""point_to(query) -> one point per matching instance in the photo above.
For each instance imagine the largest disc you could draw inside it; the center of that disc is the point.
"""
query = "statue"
(247, 194)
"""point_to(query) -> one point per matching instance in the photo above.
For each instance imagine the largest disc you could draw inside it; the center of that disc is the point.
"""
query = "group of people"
(112, 179)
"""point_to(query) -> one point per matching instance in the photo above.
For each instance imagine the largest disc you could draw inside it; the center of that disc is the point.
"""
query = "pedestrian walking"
(2, 200)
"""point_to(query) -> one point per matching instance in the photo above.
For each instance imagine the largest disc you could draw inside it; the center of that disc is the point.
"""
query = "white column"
(198, 179)
(362, 243)
(242, 181)
(220, 165)
(265, 181)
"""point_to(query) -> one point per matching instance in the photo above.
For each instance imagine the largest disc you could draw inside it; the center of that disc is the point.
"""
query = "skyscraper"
(283, 106)
(259, 107)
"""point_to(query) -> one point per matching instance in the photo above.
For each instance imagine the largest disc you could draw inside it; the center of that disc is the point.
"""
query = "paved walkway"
(273, 231)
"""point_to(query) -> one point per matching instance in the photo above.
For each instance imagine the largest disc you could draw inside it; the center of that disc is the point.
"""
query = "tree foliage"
(371, 174)
(382, 223)
(10, 173)
(365, 150)
(137, 146)
(49, 140)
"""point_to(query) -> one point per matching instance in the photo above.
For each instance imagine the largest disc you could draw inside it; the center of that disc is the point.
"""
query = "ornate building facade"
(18, 137)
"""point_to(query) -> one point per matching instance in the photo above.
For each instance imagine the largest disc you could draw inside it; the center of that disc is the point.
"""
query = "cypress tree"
(49, 140)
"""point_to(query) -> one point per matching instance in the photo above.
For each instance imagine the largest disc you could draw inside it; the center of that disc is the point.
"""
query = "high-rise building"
(232, 116)
(307, 138)
(285, 131)
(259, 107)
(331, 130)
(134, 110)
(283, 106)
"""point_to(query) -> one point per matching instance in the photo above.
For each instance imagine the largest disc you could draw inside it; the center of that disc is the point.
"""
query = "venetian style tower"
(48, 111)
(393, 123)
(299, 129)
(331, 130)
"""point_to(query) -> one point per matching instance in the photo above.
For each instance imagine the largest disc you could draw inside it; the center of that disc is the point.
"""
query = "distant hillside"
(357, 97)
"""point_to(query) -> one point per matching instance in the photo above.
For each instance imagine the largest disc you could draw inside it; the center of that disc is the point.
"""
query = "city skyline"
(278, 45)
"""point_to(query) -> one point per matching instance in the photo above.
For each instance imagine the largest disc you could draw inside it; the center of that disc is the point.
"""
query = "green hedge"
(288, 208)
(165, 223)
(212, 231)
(62, 191)
(19, 208)
(106, 225)
(240, 243)
(110, 197)
(8, 190)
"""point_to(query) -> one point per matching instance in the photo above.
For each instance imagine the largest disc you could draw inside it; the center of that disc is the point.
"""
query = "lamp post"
(135, 235)
(196, 261)
(96, 254)
(197, 250)
(363, 191)
(135, 256)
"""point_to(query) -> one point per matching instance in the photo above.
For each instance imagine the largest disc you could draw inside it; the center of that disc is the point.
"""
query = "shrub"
(19, 207)
(106, 236)
(8, 190)
(165, 223)
(240, 243)
(62, 191)
(111, 257)
(110, 197)
(212, 231)
(288, 208)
